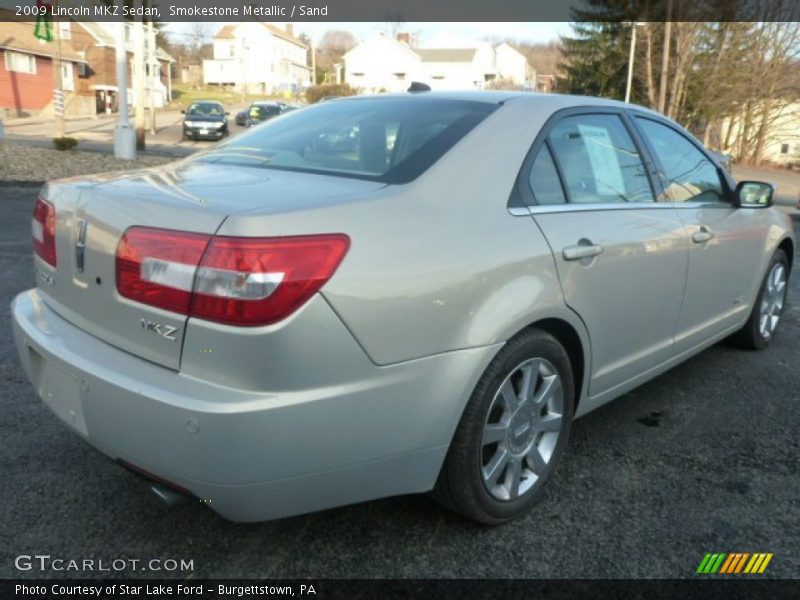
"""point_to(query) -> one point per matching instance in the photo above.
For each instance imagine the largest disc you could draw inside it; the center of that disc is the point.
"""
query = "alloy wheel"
(522, 428)
(772, 301)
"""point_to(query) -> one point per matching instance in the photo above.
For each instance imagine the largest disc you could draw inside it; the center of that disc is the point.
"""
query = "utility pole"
(124, 136)
(313, 55)
(153, 64)
(662, 86)
(138, 83)
(634, 25)
(58, 92)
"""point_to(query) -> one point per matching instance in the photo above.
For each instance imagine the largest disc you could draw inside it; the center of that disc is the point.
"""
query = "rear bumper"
(252, 455)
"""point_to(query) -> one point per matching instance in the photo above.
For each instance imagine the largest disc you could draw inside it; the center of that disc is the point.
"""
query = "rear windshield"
(392, 140)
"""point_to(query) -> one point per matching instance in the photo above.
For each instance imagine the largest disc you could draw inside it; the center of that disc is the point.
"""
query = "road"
(702, 459)
(97, 133)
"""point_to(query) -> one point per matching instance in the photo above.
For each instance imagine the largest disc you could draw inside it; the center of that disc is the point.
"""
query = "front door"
(620, 255)
(726, 244)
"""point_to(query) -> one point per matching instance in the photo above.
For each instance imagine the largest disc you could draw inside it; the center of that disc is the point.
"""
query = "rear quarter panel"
(438, 264)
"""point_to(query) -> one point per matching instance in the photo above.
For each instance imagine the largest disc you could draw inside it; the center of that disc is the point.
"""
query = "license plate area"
(60, 391)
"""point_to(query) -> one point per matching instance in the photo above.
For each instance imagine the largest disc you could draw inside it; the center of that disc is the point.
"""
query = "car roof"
(549, 102)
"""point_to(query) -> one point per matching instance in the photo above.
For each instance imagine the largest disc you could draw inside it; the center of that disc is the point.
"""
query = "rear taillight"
(157, 266)
(43, 228)
(231, 280)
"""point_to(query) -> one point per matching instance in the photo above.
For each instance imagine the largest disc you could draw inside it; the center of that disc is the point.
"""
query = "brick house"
(27, 77)
(89, 76)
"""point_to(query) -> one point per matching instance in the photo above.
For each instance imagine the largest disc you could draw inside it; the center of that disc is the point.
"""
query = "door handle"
(581, 251)
(702, 236)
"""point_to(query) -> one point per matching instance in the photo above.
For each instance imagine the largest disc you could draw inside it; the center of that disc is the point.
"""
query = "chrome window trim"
(597, 206)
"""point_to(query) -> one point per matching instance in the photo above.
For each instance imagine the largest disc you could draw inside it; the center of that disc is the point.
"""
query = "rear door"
(620, 254)
(726, 244)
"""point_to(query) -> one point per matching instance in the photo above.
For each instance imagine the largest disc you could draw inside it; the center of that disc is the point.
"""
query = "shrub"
(317, 92)
(65, 143)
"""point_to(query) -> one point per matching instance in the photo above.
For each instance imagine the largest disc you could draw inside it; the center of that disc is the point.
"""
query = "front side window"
(392, 140)
(691, 177)
(599, 161)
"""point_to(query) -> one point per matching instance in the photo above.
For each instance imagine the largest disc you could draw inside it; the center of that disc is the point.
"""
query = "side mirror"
(183, 112)
(754, 194)
(227, 113)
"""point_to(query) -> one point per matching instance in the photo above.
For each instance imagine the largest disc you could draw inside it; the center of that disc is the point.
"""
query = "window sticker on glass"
(602, 158)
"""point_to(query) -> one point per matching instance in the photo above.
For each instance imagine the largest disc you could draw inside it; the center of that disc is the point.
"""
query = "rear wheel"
(512, 432)
(762, 325)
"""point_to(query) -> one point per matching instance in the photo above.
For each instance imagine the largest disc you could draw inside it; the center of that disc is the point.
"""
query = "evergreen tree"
(595, 59)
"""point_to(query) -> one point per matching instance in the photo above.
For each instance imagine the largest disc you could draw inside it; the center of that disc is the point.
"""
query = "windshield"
(204, 109)
(392, 140)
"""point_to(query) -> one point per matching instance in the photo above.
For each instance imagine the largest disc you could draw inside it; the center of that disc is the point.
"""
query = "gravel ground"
(702, 459)
(21, 162)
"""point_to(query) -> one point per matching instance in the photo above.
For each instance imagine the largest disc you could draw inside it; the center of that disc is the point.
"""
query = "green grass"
(183, 94)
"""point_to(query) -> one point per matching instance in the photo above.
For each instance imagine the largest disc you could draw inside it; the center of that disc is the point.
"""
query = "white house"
(457, 68)
(782, 138)
(257, 57)
(512, 66)
(381, 63)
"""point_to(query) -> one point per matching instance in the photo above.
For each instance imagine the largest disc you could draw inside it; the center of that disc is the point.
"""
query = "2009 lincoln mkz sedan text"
(391, 294)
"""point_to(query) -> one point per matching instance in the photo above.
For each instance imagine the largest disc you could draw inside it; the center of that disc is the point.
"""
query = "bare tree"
(198, 35)
(334, 44)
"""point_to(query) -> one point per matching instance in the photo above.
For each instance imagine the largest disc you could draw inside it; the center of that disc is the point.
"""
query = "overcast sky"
(530, 32)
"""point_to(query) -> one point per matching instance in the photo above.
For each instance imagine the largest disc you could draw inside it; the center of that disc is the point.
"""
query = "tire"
(468, 484)
(757, 333)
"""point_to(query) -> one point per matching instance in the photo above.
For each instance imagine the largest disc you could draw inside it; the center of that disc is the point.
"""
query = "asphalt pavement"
(97, 133)
(702, 459)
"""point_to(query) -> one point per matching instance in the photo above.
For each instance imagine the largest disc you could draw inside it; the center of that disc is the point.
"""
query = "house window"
(20, 63)
(64, 30)
(784, 148)
(67, 82)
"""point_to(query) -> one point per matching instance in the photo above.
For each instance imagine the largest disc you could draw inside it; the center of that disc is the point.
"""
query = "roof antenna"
(418, 86)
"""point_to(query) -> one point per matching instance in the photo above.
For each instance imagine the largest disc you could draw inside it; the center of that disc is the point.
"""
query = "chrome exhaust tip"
(168, 497)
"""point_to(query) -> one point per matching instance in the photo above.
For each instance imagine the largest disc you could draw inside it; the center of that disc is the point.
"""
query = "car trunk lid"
(92, 214)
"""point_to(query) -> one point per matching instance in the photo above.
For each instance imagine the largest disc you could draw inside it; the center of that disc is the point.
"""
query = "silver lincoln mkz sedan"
(388, 295)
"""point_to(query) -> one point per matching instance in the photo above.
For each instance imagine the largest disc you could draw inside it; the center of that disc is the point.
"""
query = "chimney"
(290, 29)
(404, 38)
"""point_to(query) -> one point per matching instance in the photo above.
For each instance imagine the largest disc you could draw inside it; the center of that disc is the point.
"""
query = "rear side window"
(599, 161)
(393, 140)
(691, 177)
(544, 181)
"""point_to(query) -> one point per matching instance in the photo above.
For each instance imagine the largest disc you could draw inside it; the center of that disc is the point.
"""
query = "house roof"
(381, 35)
(229, 32)
(446, 55)
(104, 38)
(18, 36)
